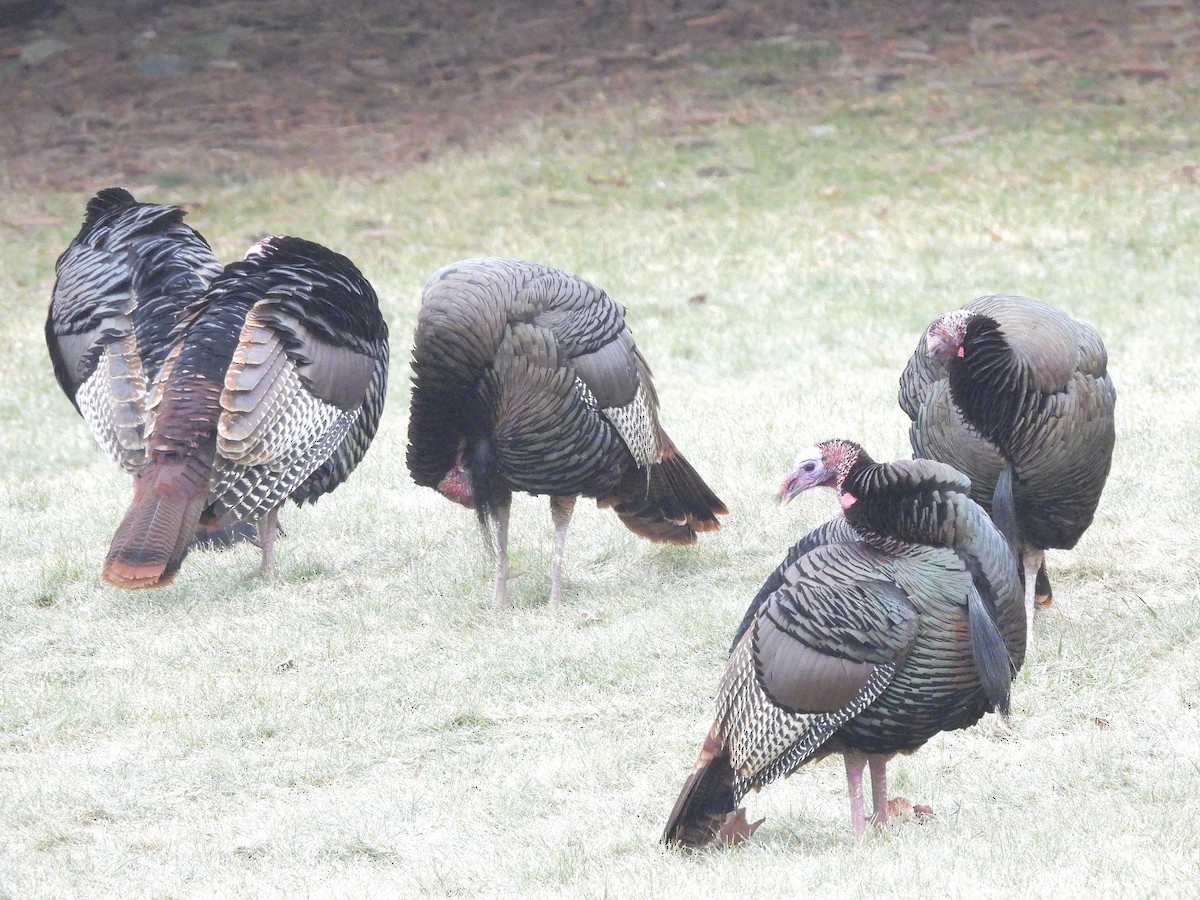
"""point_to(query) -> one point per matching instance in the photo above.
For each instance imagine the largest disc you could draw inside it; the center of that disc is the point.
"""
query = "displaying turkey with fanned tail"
(527, 379)
(119, 288)
(1017, 395)
(273, 390)
(880, 629)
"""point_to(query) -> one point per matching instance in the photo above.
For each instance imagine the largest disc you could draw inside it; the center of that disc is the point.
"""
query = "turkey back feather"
(538, 367)
(274, 389)
(120, 286)
(1029, 391)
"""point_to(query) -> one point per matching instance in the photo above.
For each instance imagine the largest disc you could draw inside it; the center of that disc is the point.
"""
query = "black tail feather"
(992, 659)
(1004, 508)
(707, 800)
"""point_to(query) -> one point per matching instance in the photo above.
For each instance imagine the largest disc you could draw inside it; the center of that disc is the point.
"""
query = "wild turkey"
(881, 628)
(527, 379)
(273, 390)
(1017, 395)
(120, 285)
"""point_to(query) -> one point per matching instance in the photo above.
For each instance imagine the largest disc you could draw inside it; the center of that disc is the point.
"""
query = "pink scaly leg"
(855, 762)
(1032, 560)
(879, 797)
(267, 527)
(500, 598)
(560, 514)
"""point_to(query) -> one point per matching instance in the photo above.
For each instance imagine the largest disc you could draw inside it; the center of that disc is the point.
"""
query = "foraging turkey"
(1016, 395)
(120, 286)
(527, 379)
(273, 390)
(880, 629)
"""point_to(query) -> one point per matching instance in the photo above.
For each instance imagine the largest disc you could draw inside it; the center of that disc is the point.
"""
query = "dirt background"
(116, 92)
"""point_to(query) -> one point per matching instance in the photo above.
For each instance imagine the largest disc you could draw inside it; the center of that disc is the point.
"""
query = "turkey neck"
(991, 384)
(893, 503)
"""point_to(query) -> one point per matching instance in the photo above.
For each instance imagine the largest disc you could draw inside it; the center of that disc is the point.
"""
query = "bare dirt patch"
(111, 92)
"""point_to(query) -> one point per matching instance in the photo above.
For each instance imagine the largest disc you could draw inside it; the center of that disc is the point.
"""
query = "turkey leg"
(855, 763)
(560, 514)
(267, 527)
(879, 795)
(1032, 560)
(500, 598)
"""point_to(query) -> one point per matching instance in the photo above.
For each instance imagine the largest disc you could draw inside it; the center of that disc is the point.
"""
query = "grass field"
(364, 724)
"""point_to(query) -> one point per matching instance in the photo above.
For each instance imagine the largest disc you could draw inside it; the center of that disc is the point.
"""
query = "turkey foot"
(736, 829)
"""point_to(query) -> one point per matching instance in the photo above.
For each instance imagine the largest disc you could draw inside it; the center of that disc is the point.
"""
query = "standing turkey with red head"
(273, 390)
(1017, 395)
(895, 621)
(527, 379)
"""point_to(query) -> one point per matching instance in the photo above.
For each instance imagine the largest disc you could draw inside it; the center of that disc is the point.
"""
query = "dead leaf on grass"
(902, 811)
(1145, 71)
(614, 180)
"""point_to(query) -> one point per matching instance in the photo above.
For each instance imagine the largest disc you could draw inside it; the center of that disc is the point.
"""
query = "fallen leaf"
(679, 51)
(1145, 71)
(830, 191)
(900, 810)
(915, 56)
(1101, 723)
(697, 299)
(712, 19)
(615, 181)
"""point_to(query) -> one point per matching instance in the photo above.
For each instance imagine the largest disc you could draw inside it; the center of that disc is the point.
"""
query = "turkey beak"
(789, 489)
(800, 480)
(937, 346)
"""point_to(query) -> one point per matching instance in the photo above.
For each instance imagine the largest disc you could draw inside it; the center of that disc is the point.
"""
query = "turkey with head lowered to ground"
(272, 390)
(119, 290)
(528, 379)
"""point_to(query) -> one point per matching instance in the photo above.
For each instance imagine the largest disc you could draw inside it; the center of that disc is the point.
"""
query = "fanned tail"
(670, 504)
(153, 538)
(707, 808)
